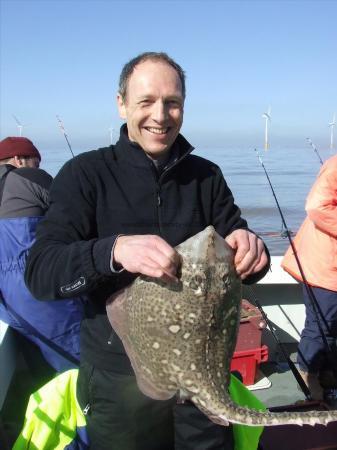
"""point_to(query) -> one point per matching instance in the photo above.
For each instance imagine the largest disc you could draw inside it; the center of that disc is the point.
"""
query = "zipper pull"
(158, 199)
(86, 409)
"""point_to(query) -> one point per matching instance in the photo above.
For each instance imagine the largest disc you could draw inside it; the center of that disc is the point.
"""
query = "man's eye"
(174, 103)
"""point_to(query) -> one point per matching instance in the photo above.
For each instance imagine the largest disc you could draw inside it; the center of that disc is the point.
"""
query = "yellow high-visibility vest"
(54, 419)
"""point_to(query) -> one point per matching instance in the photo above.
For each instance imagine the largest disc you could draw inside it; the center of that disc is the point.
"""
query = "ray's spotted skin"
(180, 337)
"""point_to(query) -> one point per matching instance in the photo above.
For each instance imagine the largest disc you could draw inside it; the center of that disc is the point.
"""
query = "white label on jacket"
(71, 287)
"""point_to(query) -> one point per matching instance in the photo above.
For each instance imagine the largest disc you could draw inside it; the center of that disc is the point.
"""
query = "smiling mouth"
(157, 130)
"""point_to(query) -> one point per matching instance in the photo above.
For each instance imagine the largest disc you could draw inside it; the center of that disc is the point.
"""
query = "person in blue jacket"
(24, 190)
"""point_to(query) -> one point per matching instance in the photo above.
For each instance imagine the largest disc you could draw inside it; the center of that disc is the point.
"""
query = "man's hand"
(250, 256)
(148, 255)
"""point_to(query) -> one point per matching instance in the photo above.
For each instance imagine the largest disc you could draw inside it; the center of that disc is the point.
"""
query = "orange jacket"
(316, 240)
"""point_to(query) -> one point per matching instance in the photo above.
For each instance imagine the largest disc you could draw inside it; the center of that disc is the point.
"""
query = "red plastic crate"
(248, 352)
(251, 326)
(246, 361)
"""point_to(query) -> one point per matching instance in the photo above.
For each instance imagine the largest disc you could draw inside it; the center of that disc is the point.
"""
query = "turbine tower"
(267, 117)
(18, 124)
(332, 125)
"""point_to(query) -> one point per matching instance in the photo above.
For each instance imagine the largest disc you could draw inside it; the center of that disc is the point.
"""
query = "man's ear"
(18, 161)
(121, 107)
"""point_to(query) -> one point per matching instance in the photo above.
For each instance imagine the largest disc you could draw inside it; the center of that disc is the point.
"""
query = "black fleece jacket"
(117, 190)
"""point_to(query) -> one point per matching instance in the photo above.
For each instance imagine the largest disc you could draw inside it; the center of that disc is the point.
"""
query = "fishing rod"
(64, 134)
(315, 150)
(317, 311)
(291, 364)
(274, 233)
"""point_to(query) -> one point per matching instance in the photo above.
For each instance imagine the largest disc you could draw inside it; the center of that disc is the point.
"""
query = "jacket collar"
(136, 156)
(5, 168)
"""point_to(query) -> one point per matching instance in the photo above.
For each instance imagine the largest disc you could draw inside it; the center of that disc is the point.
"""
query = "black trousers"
(120, 417)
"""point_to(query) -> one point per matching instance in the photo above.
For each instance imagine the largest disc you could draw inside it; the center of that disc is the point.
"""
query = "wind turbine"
(332, 125)
(267, 117)
(18, 124)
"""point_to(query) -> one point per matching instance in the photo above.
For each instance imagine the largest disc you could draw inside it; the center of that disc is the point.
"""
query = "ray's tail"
(250, 417)
(225, 411)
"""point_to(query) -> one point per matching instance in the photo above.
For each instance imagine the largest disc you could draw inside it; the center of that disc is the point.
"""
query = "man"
(316, 247)
(117, 212)
(24, 192)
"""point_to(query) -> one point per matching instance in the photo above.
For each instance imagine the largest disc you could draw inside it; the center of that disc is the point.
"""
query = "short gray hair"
(148, 56)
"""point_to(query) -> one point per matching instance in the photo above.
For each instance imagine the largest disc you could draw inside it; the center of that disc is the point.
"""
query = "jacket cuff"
(102, 254)
(113, 266)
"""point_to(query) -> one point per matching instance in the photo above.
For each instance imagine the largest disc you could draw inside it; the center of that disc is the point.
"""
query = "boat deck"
(285, 392)
(284, 389)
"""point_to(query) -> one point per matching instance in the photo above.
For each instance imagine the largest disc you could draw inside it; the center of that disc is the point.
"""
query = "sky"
(240, 57)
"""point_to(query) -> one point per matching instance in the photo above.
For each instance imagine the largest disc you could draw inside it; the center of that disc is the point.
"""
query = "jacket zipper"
(87, 407)
(158, 180)
(159, 204)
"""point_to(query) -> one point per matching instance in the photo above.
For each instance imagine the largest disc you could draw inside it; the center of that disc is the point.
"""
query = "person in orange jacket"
(316, 248)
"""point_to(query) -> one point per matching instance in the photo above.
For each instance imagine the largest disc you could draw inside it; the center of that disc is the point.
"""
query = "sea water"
(292, 172)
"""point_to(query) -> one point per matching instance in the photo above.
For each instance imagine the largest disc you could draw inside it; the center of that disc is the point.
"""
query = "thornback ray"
(180, 337)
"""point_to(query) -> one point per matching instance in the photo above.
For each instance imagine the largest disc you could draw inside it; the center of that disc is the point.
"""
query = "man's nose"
(159, 112)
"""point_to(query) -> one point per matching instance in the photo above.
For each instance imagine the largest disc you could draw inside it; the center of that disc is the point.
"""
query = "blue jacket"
(53, 325)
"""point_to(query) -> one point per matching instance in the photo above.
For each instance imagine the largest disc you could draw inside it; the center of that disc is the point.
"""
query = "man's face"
(25, 161)
(32, 162)
(153, 107)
